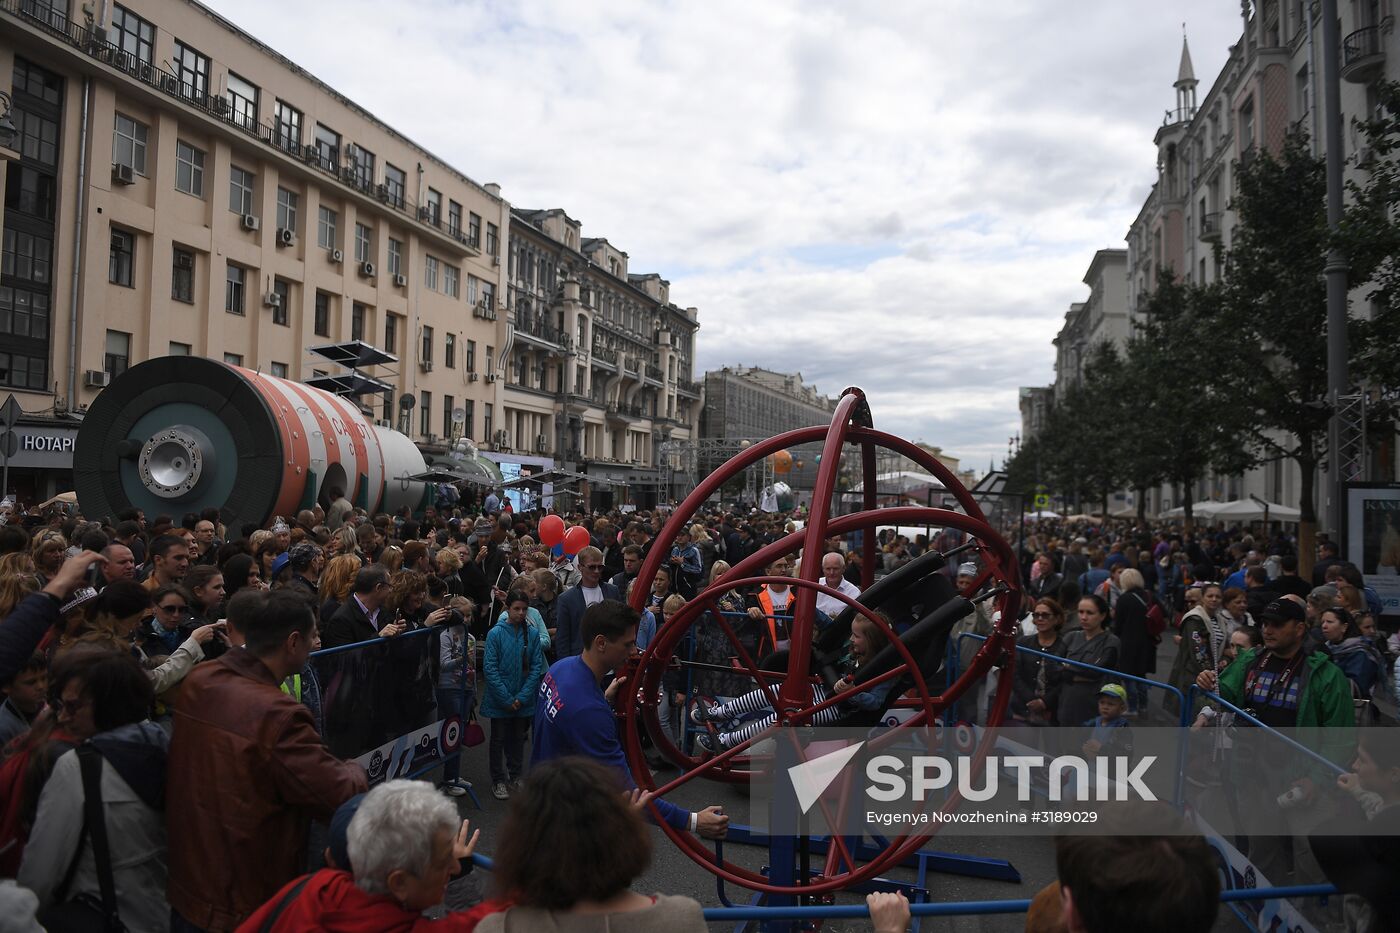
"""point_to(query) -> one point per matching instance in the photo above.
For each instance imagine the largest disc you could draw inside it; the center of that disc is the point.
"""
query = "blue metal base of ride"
(924, 862)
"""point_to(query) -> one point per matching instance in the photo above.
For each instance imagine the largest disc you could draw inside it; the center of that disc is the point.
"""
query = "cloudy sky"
(898, 195)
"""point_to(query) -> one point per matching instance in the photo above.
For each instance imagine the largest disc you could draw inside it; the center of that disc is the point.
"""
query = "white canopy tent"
(1239, 510)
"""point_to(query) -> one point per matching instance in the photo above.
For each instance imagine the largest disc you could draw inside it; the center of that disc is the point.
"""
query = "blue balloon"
(558, 549)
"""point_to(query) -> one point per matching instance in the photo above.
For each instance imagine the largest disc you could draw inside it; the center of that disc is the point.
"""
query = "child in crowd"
(1110, 733)
(456, 687)
(24, 697)
(513, 668)
(866, 641)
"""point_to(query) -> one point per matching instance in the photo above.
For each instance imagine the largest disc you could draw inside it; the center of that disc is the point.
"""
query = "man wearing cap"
(1284, 687)
(306, 560)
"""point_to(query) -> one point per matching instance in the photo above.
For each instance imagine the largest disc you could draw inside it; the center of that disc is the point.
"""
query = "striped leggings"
(756, 701)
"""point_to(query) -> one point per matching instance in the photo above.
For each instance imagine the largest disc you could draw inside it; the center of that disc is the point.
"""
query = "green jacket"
(1324, 701)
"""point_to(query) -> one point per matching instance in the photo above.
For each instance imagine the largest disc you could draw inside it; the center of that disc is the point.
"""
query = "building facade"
(598, 362)
(177, 187)
(1269, 86)
(1101, 318)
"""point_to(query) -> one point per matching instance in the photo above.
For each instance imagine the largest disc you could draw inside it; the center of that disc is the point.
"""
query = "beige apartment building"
(598, 361)
(177, 187)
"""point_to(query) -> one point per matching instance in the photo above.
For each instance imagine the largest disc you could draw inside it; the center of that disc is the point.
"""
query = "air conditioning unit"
(250, 222)
(473, 377)
(495, 260)
(541, 443)
(503, 437)
(367, 270)
(401, 281)
(285, 237)
(310, 155)
(123, 174)
(184, 260)
(97, 378)
(337, 256)
(272, 300)
(383, 192)
(425, 365)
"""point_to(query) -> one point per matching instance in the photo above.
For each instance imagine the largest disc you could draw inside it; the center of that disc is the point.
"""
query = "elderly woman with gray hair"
(405, 842)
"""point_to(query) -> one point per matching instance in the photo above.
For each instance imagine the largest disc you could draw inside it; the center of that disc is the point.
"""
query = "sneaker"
(500, 791)
(702, 713)
(455, 787)
(709, 743)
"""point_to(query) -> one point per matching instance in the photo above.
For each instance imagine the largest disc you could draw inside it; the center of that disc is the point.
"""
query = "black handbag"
(84, 913)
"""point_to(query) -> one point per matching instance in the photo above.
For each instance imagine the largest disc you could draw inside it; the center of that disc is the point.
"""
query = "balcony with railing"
(537, 331)
(1179, 115)
(1210, 227)
(1363, 56)
(620, 412)
(655, 374)
(686, 387)
(604, 355)
(87, 41)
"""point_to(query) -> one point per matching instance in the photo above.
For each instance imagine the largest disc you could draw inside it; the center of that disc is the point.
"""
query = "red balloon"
(575, 540)
(551, 530)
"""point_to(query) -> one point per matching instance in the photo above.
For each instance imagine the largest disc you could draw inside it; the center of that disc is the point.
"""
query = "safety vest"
(765, 600)
(292, 687)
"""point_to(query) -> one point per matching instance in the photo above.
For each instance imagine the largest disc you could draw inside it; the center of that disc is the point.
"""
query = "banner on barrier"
(379, 705)
(1241, 874)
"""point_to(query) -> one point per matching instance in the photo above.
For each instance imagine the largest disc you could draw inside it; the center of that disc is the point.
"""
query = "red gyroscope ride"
(788, 677)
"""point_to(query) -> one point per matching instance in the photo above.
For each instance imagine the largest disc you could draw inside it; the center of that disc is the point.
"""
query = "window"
(434, 207)
(281, 308)
(357, 321)
(426, 354)
(473, 284)
(179, 349)
(395, 257)
(471, 356)
(362, 243)
(486, 422)
(492, 240)
(279, 370)
(448, 402)
(451, 279)
(189, 169)
(449, 352)
(182, 276)
(362, 160)
(240, 190)
(129, 144)
(233, 359)
(488, 295)
(322, 323)
(469, 419)
(327, 148)
(431, 273)
(325, 228)
(122, 259)
(242, 97)
(118, 353)
(192, 68)
(425, 412)
(133, 35)
(1247, 125)
(454, 218)
(287, 209)
(474, 230)
(394, 179)
(234, 283)
(286, 128)
(27, 256)
(391, 333)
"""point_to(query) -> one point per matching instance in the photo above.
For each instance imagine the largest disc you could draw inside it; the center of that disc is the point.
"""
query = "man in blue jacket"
(574, 716)
(590, 591)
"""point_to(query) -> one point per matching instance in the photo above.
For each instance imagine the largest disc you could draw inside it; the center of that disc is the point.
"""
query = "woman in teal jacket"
(512, 670)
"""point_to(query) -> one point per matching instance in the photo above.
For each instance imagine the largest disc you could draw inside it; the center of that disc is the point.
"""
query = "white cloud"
(902, 196)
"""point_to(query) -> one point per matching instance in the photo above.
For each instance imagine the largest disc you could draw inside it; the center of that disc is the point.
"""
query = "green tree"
(1270, 339)
(1186, 423)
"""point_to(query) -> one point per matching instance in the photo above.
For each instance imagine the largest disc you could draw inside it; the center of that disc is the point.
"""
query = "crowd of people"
(158, 670)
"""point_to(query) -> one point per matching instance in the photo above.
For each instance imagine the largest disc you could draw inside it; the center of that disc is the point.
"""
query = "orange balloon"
(782, 462)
